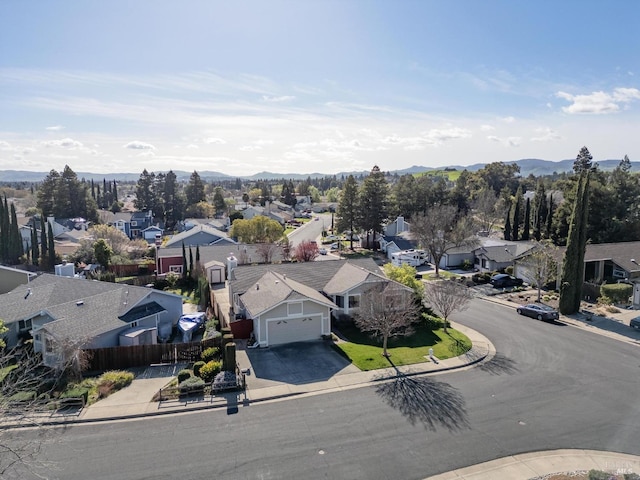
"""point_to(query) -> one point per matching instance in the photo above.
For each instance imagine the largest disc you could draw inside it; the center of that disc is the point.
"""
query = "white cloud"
(213, 140)
(192, 146)
(600, 102)
(283, 98)
(5, 145)
(506, 141)
(148, 153)
(487, 128)
(55, 128)
(508, 119)
(440, 135)
(545, 134)
(137, 145)
(65, 143)
(250, 148)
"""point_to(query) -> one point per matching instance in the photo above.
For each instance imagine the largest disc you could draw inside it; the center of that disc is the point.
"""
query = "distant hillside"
(528, 166)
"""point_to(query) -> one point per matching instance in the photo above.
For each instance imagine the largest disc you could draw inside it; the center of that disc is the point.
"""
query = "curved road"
(550, 386)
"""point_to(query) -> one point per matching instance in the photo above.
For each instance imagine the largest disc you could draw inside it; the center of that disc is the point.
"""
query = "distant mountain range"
(528, 166)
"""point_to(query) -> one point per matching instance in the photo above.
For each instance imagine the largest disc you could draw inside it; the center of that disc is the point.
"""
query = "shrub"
(432, 322)
(467, 265)
(481, 278)
(223, 379)
(196, 368)
(210, 369)
(25, 396)
(183, 375)
(191, 384)
(617, 292)
(76, 392)
(509, 270)
(209, 354)
(118, 378)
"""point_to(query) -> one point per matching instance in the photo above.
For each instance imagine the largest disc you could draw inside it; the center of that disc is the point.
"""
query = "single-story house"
(293, 302)
(396, 243)
(150, 234)
(88, 314)
(199, 235)
(493, 254)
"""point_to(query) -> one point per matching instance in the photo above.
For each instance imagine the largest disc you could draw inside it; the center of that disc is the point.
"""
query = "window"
(48, 345)
(354, 301)
(294, 308)
(24, 324)
(134, 223)
(133, 324)
(175, 268)
(340, 301)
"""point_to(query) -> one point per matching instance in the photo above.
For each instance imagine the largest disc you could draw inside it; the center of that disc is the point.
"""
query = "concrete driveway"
(294, 363)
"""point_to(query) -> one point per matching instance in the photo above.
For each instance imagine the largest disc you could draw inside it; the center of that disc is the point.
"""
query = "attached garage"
(294, 330)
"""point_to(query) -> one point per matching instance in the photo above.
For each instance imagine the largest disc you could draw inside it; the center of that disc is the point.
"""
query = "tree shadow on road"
(499, 365)
(427, 401)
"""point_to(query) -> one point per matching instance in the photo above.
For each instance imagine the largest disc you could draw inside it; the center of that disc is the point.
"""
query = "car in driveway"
(322, 251)
(539, 311)
(635, 323)
(503, 280)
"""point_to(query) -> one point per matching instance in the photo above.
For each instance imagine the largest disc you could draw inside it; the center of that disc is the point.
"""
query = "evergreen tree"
(184, 262)
(47, 192)
(573, 262)
(527, 220)
(16, 247)
(191, 272)
(507, 226)
(515, 235)
(347, 214)
(144, 192)
(44, 245)
(93, 190)
(115, 192)
(35, 249)
(51, 247)
(550, 212)
(540, 211)
(194, 191)
(219, 205)
(4, 231)
(373, 204)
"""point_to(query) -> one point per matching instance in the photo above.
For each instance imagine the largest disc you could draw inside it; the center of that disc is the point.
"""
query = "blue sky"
(314, 86)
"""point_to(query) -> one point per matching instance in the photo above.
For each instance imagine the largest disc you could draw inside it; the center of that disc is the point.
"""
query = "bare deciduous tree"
(26, 400)
(442, 229)
(446, 297)
(387, 309)
(266, 251)
(540, 266)
(488, 210)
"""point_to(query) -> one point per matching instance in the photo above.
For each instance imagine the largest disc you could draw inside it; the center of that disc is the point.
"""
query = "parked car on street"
(635, 323)
(502, 280)
(322, 251)
(335, 246)
(539, 311)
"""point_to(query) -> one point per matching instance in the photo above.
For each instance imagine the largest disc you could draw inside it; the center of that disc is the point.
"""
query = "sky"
(306, 86)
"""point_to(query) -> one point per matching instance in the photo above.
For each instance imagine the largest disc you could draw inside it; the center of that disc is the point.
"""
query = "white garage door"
(294, 330)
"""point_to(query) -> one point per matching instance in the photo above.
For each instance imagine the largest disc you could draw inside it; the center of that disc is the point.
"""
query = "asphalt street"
(549, 386)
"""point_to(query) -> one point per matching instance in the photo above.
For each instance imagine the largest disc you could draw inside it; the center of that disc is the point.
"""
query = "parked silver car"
(635, 323)
(539, 311)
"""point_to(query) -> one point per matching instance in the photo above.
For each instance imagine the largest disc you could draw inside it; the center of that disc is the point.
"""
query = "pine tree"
(347, 214)
(373, 211)
(550, 212)
(540, 211)
(44, 245)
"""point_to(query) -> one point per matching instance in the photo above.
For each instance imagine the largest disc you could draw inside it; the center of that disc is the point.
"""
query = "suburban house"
(493, 254)
(139, 221)
(169, 259)
(292, 302)
(152, 233)
(57, 310)
(199, 235)
(11, 278)
(221, 224)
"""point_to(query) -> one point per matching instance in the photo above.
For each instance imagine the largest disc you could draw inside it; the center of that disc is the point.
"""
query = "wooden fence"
(117, 358)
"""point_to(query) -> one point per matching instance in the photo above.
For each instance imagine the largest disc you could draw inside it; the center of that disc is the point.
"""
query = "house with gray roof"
(199, 235)
(57, 310)
(293, 302)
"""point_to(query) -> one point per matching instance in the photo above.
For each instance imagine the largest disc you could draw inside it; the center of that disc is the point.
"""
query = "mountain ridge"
(528, 166)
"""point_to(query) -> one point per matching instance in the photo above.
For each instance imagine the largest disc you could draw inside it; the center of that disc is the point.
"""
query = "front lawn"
(365, 352)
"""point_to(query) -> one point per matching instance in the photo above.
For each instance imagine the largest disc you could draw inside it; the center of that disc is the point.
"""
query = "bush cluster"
(119, 379)
(197, 366)
(210, 369)
(191, 384)
(480, 278)
(209, 354)
(76, 392)
(617, 292)
(183, 375)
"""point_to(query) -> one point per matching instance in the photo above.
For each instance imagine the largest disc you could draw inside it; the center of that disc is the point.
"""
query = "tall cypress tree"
(515, 235)
(190, 262)
(35, 249)
(527, 220)
(573, 262)
(44, 245)
(15, 239)
(507, 226)
(184, 262)
(549, 227)
(51, 247)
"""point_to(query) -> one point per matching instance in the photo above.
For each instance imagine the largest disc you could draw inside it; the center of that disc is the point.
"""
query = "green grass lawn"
(452, 175)
(366, 352)
(444, 275)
